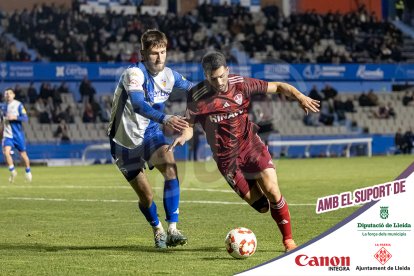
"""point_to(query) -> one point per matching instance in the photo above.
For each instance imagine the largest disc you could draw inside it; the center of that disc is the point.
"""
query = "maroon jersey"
(224, 116)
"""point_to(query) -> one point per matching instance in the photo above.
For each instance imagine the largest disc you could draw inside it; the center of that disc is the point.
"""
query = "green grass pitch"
(84, 220)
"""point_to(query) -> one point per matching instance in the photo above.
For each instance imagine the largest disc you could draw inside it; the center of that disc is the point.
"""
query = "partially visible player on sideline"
(14, 114)
(136, 138)
(220, 105)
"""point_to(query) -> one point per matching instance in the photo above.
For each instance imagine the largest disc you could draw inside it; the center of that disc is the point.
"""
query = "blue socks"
(150, 213)
(27, 170)
(171, 199)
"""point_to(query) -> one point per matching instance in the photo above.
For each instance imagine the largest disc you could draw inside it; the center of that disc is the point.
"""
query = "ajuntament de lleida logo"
(384, 212)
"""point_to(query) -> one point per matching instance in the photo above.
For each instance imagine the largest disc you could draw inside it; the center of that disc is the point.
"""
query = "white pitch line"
(107, 187)
(133, 201)
(61, 187)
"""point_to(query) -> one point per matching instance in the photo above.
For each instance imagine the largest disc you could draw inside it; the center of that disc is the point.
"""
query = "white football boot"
(12, 176)
(29, 177)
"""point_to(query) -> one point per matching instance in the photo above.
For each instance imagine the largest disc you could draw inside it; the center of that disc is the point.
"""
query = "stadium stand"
(247, 34)
(64, 34)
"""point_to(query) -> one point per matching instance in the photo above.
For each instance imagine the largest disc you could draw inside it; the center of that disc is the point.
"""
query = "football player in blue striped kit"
(136, 137)
(14, 114)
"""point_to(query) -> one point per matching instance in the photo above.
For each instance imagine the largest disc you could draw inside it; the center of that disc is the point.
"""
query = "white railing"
(273, 143)
(329, 142)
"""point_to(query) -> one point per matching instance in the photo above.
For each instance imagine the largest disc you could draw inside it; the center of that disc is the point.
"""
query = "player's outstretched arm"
(306, 103)
(185, 135)
(144, 109)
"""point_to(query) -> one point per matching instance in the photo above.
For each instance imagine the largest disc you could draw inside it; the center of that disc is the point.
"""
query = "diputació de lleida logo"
(384, 212)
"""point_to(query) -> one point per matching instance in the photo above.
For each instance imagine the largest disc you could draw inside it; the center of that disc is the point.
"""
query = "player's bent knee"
(170, 171)
(261, 205)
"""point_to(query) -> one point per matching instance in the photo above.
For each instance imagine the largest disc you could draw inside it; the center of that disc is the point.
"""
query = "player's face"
(155, 59)
(8, 95)
(218, 78)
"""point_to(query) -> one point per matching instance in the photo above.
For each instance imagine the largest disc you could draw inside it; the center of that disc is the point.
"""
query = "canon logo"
(304, 260)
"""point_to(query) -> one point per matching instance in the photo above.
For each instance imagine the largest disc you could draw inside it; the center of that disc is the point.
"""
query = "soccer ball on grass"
(241, 243)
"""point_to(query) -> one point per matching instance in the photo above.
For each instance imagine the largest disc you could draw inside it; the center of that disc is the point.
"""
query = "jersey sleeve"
(133, 80)
(254, 86)
(190, 112)
(181, 82)
(2, 111)
(22, 114)
(1, 115)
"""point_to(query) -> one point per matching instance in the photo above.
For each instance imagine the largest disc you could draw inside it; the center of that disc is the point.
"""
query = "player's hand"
(11, 117)
(309, 104)
(177, 123)
(180, 140)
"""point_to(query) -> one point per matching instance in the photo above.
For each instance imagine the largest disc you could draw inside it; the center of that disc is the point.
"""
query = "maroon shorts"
(241, 172)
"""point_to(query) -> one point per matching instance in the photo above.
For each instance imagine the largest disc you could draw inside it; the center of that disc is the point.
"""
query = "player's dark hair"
(153, 38)
(213, 61)
(7, 89)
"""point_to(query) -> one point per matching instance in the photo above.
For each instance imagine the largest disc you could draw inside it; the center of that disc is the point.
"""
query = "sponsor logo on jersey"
(226, 104)
(216, 118)
(161, 93)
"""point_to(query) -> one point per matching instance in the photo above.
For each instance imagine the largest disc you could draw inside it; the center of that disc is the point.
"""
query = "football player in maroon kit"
(220, 104)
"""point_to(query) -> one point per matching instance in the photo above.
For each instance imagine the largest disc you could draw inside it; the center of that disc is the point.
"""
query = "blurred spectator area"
(124, 7)
(60, 33)
(341, 115)
(44, 128)
(288, 119)
(50, 106)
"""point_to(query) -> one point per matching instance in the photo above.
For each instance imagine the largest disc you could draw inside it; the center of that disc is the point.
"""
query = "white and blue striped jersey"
(14, 129)
(126, 127)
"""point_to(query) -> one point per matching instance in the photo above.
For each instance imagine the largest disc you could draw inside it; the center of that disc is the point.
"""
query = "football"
(241, 243)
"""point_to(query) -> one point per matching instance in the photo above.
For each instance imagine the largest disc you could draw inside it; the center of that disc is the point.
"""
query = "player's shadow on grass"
(132, 248)
(202, 249)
